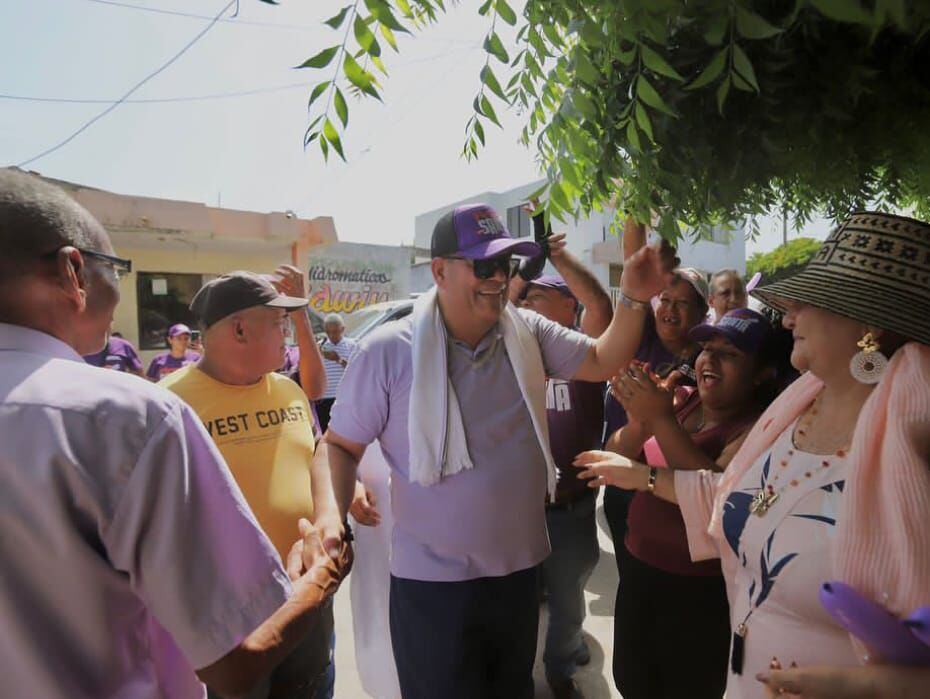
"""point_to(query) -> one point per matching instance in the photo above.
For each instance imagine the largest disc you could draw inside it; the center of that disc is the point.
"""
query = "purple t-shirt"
(119, 355)
(164, 364)
(660, 360)
(489, 520)
(575, 412)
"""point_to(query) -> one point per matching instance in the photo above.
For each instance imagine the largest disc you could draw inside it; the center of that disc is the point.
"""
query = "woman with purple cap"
(180, 354)
(668, 607)
(830, 490)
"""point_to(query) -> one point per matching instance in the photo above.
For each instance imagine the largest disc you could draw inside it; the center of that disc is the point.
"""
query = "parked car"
(360, 323)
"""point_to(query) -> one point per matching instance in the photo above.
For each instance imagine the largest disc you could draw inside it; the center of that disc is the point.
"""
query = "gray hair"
(725, 273)
(333, 319)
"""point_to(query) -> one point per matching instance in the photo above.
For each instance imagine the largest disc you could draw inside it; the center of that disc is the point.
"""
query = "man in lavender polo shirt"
(132, 566)
(463, 603)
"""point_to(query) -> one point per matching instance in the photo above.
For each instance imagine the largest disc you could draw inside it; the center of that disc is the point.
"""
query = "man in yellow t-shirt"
(262, 424)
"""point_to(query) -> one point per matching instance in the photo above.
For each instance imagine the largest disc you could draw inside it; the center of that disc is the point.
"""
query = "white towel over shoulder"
(438, 447)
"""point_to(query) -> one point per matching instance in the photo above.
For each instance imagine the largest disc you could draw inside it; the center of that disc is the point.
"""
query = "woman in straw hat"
(833, 482)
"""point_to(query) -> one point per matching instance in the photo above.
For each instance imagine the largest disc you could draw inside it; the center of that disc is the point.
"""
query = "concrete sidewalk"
(595, 680)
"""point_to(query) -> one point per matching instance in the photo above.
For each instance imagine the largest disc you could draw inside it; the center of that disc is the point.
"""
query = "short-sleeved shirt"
(129, 555)
(575, 412)
(660, 360)
(346, 349)
(265, 433)
(488, 520)
(164, 364)
(118, 354)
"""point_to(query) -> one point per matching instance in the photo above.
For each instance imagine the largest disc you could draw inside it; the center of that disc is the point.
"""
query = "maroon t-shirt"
(575, 413)
(655, 528)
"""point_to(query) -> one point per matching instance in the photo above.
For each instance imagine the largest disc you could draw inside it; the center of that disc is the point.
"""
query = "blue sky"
(246, 152)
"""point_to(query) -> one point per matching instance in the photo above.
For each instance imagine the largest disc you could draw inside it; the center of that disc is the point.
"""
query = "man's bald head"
(37, 218)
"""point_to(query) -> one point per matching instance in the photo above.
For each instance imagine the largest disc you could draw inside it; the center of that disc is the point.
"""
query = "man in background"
(180, 354)
(119, 355)
(727, 292)
(338, 351)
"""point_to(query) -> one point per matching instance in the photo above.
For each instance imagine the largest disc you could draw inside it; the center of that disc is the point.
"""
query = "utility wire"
(133, 89)
(193, 15)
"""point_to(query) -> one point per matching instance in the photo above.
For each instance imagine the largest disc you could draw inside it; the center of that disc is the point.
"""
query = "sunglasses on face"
(485, 269)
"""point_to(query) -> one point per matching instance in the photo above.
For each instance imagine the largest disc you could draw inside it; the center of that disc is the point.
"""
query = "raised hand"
(648, 271)
(289, 280)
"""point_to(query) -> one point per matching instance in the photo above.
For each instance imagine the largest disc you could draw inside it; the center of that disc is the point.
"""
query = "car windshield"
(359, 321)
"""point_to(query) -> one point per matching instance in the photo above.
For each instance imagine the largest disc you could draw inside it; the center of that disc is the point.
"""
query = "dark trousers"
(324, 407)
(616, 506)
(474, 639)
(671, 633)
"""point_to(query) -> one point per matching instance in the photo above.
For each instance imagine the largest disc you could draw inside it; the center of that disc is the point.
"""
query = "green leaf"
(485, 7)
(585, 70)
(627, 57)
(359, 77)
(743, 67)
(843, 10)
(479, 131)
(365, 38)
(632, 136)
(494, 46)
(382, 12)
(322, 59)
(379, 64)
(310, 134)
(592, 34)
(657, 64)
(584, 104)
(317, 91)
(505, 12)
(722, 93)
(489, 79)
(643, 121)
(324, 146)
(342, 109)
(752, 26)
(488, 111)
(405, 9)
(336, 20)
(647, 93)
(711, 71)
(389, 36)
(329, 130)
(552, 34)
(716, 31)
(557, 195)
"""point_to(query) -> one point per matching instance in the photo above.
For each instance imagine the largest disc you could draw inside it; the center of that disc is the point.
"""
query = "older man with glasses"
(132, 566)
(456, 396)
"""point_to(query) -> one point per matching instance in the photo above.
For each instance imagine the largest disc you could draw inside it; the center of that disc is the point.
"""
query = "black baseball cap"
(237, 291)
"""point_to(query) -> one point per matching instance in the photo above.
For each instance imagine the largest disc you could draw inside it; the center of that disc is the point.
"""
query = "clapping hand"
(643, 395)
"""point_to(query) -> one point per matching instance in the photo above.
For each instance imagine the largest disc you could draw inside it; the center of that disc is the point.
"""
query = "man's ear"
(72, 276)
(438, 267)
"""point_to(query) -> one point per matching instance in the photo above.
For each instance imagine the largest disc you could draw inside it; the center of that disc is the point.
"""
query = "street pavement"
(594, 680)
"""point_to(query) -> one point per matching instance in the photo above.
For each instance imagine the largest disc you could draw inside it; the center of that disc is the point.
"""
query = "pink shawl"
(883, 531)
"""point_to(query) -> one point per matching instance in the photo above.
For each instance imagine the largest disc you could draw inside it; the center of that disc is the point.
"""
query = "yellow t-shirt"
(265, 433)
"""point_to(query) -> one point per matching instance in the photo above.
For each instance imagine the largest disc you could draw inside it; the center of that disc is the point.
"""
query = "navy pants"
(465, 640)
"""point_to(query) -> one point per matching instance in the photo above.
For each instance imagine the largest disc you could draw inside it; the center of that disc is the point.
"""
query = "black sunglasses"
(485, 269)
(121, 266)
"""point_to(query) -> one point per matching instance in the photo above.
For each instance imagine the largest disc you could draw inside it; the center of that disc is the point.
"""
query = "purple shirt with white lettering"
(575, 412)
(486, 521)
(164, 364)
(119, 355)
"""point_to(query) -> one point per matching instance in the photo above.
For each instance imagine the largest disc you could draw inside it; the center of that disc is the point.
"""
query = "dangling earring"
(868, 364)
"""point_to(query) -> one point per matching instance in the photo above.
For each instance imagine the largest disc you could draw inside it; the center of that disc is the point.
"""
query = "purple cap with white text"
(178, 329)
(476, 232)
(744, 328)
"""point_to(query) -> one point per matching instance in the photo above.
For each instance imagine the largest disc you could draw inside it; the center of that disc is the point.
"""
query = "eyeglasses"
(120, 266)
(485, 269)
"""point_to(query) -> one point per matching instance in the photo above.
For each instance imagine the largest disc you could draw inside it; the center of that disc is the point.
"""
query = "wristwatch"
(651, 483)
(633, 303)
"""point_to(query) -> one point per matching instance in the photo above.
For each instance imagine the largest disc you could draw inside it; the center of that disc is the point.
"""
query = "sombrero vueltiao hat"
(874, 268)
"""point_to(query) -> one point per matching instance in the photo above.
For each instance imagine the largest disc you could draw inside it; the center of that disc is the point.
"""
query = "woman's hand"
(606, 468)
(644, 398)
(865, 682)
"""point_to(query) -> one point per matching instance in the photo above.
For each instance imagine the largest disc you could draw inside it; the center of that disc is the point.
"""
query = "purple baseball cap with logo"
(178, 329)
(550, 281)
(476, 232)
(744, 328)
